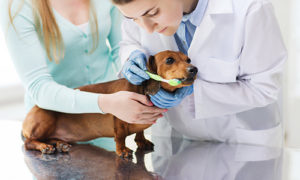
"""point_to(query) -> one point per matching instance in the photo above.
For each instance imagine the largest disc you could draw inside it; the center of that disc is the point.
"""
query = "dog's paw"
(63, 147)
(125, 153)
(48, 149)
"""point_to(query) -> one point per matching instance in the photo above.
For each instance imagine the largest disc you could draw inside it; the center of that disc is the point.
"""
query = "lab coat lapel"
(202, 33)
(204, 29)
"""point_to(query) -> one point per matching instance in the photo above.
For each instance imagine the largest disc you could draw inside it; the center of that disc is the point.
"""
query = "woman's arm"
(115, 36)
(30, 59)
(261, 68)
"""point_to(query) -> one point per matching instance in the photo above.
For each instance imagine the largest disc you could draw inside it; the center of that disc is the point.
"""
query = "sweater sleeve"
(30, 60)
(114, 36)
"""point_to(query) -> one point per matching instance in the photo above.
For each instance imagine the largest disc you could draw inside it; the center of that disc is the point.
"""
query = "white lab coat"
(240, 55)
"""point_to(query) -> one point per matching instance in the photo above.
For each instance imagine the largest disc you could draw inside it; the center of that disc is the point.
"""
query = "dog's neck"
(168, 87)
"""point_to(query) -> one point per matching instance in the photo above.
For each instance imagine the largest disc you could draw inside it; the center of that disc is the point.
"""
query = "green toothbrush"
(172, 82)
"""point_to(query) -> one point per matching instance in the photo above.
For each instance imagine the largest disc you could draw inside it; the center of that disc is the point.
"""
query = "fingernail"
(166, 110)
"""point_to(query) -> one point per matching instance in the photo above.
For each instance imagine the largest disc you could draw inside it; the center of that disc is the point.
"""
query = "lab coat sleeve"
(29, 58)
(131, 40)
(260, 70)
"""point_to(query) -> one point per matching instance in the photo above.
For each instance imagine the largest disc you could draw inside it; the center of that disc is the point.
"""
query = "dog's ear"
(151, 87)
(151, 65)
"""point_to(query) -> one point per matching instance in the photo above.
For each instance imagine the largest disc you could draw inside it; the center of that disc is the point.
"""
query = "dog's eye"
(188, 61)
(170, 60)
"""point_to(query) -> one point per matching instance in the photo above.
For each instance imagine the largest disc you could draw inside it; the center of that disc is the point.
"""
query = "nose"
(192, 71)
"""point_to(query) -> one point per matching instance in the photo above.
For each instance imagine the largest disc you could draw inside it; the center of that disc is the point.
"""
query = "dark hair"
(121, 2)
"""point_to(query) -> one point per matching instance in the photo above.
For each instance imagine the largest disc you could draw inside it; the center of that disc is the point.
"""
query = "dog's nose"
(192, 70)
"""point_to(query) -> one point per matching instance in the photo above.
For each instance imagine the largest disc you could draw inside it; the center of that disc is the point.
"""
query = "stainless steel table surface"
(173, 159)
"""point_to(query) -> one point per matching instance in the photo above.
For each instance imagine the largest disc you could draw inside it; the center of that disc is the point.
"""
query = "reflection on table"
(88, 162)
(173, 158)
(178, 159)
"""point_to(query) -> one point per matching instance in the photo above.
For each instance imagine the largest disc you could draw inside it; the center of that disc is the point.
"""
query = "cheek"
(175, 72)
(170, 18)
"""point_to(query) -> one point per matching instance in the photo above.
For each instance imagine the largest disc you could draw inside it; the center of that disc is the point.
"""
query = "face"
(175, 65)
(162, 16)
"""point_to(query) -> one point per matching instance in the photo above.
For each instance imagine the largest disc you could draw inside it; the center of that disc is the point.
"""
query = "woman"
(59, 45)
(238, 50)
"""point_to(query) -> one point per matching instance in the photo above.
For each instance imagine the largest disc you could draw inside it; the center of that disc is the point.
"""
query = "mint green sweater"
(50, 85)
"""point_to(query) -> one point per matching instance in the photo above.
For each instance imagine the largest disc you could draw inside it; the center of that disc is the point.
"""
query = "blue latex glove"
(134, 69)
(164, 99)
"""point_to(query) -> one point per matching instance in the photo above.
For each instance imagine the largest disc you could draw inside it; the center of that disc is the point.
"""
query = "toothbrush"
(172, 82)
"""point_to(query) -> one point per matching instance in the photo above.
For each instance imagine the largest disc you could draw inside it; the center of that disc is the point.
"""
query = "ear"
(151, 65)
(151, 87)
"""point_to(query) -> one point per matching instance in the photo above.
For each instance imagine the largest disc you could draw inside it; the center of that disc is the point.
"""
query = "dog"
(48, 131)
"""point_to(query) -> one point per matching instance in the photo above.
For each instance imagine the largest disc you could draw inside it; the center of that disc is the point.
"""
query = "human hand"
(134, 69)
(130, 107)
(164, 99)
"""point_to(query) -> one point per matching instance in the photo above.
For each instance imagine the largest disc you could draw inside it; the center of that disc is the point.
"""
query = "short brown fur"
(42, 128)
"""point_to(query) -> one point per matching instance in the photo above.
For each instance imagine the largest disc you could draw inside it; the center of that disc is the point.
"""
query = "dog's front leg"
(120, 133)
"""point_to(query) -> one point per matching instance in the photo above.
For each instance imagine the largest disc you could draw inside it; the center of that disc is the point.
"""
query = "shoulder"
(102, 6)
(23, 7)
(130, 25)
(249, 6)
(19, 9)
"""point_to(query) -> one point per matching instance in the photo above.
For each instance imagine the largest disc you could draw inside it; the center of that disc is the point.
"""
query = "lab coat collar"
(220, 7)
(197, 15)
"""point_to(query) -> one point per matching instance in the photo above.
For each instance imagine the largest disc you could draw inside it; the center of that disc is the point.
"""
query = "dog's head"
(172, 65)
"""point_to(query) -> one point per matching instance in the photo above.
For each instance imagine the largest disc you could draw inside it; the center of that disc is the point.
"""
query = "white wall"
(10, 85)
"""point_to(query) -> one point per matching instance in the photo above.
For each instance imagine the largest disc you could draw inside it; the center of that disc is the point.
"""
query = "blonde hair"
(48, 30)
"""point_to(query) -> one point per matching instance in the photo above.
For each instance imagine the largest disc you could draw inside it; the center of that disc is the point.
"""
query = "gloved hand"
(134, 69)
(164, 99)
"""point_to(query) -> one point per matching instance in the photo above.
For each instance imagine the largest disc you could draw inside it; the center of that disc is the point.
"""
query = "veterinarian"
(60, 45)
(239, 52)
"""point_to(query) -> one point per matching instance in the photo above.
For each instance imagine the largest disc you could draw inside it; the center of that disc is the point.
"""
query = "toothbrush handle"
(154, 76)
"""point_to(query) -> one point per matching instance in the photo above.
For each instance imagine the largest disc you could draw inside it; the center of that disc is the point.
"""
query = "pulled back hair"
(121, 2)
(48, 30)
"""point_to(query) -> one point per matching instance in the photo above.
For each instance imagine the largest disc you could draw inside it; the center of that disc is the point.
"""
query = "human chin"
(170, 31)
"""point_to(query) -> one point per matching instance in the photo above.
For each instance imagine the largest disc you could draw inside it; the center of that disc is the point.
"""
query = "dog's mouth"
(187, 80)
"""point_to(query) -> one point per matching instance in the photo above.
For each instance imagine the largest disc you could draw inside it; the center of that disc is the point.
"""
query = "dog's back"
(45, 124)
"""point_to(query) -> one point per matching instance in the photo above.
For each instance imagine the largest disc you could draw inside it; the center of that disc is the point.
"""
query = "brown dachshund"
(42, 129)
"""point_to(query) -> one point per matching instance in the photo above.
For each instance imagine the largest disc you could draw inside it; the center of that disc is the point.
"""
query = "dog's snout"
(192, 70)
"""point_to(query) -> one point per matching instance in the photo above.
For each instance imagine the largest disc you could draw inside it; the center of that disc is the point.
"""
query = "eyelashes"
(154, 14)
(147, 15)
